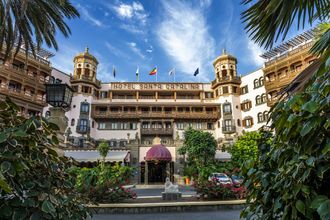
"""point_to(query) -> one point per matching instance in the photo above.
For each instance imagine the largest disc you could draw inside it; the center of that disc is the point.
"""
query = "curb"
(143, 208)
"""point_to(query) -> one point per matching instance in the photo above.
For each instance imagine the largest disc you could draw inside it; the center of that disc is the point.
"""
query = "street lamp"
(59, 96)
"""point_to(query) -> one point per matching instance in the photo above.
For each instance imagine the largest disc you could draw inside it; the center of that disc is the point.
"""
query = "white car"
(221, 178)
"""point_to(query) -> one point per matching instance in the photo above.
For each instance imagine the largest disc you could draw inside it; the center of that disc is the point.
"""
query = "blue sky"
(165, 33)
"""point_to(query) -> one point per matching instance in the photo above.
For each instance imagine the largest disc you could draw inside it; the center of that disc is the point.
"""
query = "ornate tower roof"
(224, 56)
(85, 55)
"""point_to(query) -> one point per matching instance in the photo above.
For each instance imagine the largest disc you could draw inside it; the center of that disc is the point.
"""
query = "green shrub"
(33, 180)
(103, 183)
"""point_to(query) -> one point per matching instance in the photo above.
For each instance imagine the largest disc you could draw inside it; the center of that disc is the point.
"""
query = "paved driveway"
(217, 215)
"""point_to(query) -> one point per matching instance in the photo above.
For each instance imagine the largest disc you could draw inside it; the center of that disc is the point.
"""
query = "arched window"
(260, 117)
(261, 81)
(263, 98)
(265, 116)
(72, 122)
(258, 100)
(256, 83)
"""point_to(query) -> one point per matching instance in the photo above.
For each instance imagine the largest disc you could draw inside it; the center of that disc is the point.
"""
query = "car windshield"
(218, 175)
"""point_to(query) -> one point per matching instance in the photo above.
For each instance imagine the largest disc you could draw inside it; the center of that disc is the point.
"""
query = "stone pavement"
(218, 215)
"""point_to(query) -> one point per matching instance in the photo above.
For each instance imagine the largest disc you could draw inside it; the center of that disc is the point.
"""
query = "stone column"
(57, 116)
(146, 173)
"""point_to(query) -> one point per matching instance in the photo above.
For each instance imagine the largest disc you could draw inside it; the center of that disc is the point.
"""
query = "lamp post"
(59, 96)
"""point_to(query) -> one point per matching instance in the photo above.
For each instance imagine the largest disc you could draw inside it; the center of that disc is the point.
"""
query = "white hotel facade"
(130, 116)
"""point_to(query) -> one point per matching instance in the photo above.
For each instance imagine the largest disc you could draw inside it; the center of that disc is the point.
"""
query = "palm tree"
(30, 23)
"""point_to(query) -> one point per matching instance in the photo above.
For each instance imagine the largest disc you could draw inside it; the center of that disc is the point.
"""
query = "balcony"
(280, 82)
(161, 114)
(20, 75)
(82, 129)
(229, 129)
(86, 79)
(156, 131)
(225, 80)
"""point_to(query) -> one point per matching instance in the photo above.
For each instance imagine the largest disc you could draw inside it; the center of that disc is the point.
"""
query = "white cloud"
(205, 3)
(88, 17)
(255, 52)
(184, 36)
(135, 49)
(150, 49)
(134, 11)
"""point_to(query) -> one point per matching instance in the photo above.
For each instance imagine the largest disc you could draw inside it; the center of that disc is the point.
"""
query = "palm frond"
(28, 23)
(269, 20)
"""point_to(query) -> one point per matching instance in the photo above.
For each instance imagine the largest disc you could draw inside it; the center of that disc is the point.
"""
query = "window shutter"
(244, 123)
(251, 121)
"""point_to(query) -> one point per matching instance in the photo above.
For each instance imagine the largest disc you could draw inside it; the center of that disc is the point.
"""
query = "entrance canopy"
(93, 155)
(158, 152)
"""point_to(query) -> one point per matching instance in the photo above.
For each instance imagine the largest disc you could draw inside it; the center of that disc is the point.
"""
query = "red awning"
(158, 152)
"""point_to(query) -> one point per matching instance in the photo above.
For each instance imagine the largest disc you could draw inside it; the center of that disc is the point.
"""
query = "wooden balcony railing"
(87, 79)
(22, 74)
(224, 80)
(279, 82)
(162, 114)
(157, 131)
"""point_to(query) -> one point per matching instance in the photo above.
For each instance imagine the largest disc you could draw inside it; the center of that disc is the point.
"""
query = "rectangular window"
(180, 126)
(247, 105)
(101, 125)
(244, 90)
(226, 108)
(234, 89)
(225, 90)
(198, 126)
(104, 94)
(210, 126)
(208, 95)
(84, 107)
(83, 125)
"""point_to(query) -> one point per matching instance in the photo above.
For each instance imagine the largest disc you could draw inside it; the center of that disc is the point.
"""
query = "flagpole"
(156, 74)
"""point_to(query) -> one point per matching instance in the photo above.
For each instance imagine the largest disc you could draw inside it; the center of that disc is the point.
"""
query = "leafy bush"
(291, 178)
(214, 190)
(33, 180)
(103, 183)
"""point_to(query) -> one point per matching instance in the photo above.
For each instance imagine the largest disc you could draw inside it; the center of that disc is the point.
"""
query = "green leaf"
(310, 106)
(318, 201)
(20, 133)
(47, 207)
(19, 214)
(300, 206)
(3, 137)
(322, 170)
(4, 186)
(326, 149)
(5, 166)
(324, 209)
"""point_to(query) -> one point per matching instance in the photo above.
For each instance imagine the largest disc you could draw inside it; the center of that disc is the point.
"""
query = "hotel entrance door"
(157, 172)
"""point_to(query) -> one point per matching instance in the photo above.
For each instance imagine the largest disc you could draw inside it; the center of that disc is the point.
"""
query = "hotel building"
(138, 118)
(22, 78)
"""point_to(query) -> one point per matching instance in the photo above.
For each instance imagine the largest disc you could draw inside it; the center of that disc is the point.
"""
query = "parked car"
(221, 178)
(237, 180)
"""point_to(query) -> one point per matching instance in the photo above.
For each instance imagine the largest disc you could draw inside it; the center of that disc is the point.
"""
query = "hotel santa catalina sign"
(156, 86)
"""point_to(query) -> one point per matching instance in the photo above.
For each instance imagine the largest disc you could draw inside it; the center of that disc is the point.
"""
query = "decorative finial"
(86, 49)
(224, 52)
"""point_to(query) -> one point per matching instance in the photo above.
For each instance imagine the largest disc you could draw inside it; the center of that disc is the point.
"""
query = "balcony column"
(137, 96)
(110, 96)
(175, 96)
(156, 96)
